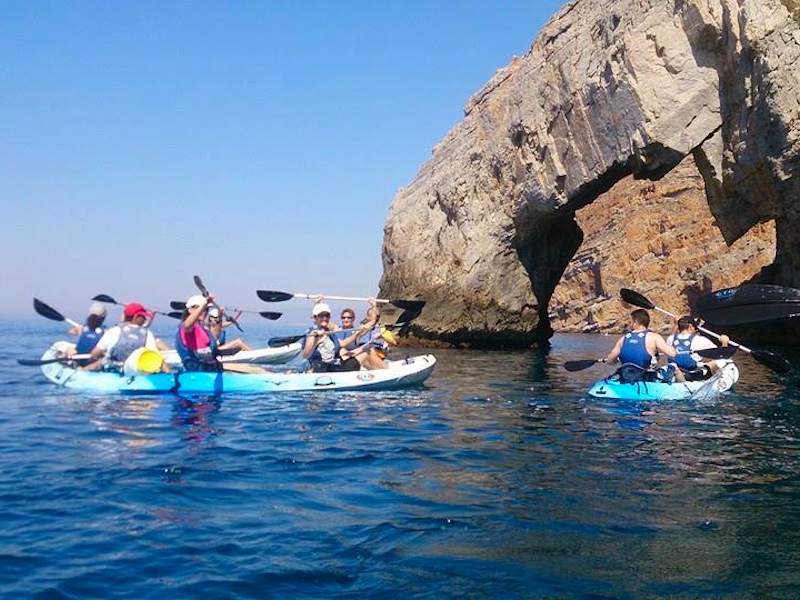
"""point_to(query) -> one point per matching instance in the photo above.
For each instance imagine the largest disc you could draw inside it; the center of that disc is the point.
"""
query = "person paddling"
(685, 340)
(639, 346)
(90, 332)
(120, 341)
(196, 344)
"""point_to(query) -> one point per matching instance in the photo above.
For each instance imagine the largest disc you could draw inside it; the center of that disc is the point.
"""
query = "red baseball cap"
(134, 309)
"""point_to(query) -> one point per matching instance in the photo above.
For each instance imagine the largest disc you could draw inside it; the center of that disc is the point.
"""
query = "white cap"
(213, 312)
(320, 308)
(196, 301)
(97, 309)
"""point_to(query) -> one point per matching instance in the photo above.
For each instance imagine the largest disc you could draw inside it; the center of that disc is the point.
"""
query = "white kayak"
(261, 356)
(401, 373)
(615, 388)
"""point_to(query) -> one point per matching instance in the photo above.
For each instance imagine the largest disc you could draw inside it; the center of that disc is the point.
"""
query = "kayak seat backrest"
(630, 373)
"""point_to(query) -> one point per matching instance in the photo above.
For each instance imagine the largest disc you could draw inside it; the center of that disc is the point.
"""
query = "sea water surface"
(499, 478)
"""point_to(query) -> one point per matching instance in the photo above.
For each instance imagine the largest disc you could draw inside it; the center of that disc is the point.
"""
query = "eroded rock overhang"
(610, 88)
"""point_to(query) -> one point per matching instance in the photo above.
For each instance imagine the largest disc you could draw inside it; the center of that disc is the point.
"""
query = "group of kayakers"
(200, 339)
(642, 347)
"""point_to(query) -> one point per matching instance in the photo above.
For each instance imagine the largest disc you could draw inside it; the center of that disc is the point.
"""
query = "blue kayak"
(400, 373)
(616, 388)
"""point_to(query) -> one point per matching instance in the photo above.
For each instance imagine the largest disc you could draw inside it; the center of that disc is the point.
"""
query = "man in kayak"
(685, 340)
(120, 341)
(640, 346)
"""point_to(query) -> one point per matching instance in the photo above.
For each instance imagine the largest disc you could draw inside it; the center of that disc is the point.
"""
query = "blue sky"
(256, 144)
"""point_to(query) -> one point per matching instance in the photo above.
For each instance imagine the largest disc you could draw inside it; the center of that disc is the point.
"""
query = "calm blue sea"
(497, 479)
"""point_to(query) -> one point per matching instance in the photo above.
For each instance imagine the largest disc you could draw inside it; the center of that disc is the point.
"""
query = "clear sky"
(257, 144)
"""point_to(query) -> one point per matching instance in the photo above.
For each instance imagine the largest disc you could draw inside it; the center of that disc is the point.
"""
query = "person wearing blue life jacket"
(90, 332)
(686, 341)
(640, 346)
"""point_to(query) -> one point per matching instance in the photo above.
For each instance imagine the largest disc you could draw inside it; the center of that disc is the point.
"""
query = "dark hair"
(641, 316)
(94, 321)
(685, 321)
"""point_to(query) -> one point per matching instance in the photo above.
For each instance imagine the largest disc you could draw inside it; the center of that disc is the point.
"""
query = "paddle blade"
(772, 360)
(37, 362)
(48, 312)
(749, 304)
(721, 353)
(635, 298)
(175, 314)
(199, 283)
(284, 341)
(272, 296)
(579, 365)
(409, 305)
(272, 316)
(104, 298)
(177, 305)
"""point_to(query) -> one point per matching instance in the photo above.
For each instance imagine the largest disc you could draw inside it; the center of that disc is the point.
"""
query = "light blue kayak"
(614, 388)
(401, 373)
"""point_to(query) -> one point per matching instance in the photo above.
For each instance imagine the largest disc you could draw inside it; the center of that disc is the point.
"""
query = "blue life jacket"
(684, 361)
(88, 339)
(205, 359)
(634, 349)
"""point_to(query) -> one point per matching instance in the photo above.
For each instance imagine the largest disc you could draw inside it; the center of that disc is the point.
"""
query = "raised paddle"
(37, 362)
(721, 353)
(199, 283)
(110, 300)
(769, 359)
(273, 296)
(749, 304)
(272, 316)
(48, 312)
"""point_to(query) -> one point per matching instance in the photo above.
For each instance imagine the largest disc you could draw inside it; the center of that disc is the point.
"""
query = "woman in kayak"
(197, 346)
(217, 324)
(90, 332)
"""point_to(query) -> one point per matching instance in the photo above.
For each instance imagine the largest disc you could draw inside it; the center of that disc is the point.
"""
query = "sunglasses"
(349, 317)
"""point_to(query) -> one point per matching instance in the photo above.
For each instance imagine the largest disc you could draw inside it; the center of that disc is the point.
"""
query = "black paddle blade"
(104, 298)
(409, 305)
(272, 316)
(199, 283)
(580, 365)
(177, 305)
(284, 341)
(749, 304)
(175, 314)
(774, 361)
(272, 296)
(721, 353)
(48, 312)
(635, 298)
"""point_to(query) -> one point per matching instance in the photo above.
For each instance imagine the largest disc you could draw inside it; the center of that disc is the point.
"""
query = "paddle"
(36, 362)
(749, 304)
(291, 339)
(273, 296)
(110, 300)
(721, 353)
(199, 283)
(272, 316)
(770, 359)
(48, 312)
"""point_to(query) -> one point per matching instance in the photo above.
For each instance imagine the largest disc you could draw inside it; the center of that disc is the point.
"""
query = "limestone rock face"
(611, 90)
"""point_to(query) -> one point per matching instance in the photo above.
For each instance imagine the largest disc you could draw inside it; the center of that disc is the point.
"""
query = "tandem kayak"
(615, 388)
(401, 373)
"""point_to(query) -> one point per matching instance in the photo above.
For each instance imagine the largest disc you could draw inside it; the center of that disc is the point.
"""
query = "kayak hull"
(401, 373)
(259, 356)
(612, 388)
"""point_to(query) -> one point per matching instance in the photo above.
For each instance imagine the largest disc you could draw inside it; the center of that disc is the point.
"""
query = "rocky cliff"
(537, 180)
